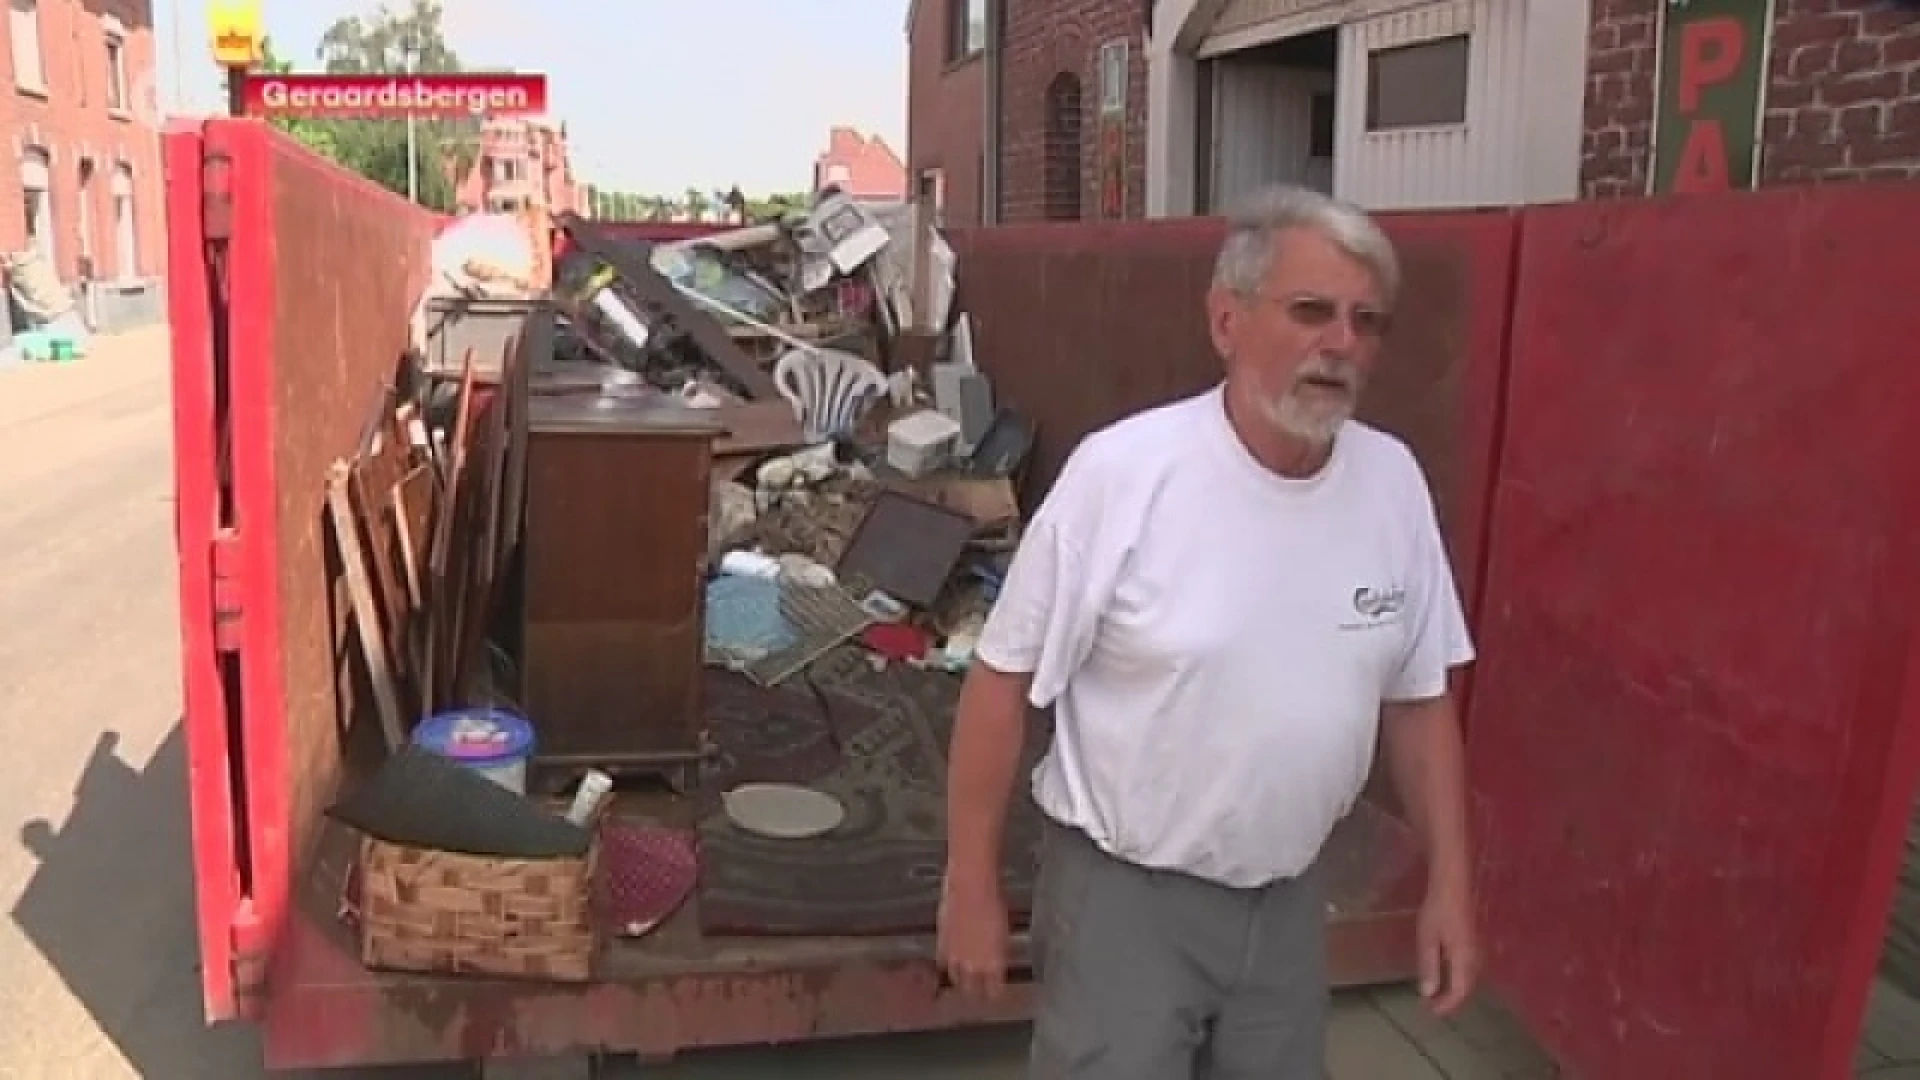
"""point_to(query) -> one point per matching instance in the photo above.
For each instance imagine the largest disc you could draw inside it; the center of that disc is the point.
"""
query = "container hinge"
(228, 606)
(216, 196)
(249, 964)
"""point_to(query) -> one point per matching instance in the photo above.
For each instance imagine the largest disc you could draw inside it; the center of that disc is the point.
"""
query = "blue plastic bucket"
(496, 743)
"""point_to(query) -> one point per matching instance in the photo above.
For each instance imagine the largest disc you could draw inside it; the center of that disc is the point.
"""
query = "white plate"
(784, 811)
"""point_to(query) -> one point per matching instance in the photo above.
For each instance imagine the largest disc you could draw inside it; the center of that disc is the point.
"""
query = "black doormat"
(877, 741)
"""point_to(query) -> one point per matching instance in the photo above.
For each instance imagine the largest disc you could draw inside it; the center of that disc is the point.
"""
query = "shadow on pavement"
(110, 906)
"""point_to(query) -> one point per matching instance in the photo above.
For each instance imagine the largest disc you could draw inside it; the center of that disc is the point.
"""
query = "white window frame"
(1113, 77)
(29, 55)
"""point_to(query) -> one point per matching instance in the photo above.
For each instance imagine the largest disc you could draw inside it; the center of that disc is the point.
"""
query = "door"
(209, 612)
(83, 209)
(1264, 126)
(1695, 730)
(36, 189)
(126, 231)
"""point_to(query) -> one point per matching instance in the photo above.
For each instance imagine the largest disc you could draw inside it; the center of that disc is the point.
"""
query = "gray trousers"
(1152, 975)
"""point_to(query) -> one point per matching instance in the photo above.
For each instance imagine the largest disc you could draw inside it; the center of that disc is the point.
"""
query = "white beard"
(1312, 415)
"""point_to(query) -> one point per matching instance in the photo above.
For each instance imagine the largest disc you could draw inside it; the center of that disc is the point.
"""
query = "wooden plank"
(366, 609)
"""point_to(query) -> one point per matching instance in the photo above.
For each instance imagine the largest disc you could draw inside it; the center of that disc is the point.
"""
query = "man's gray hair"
(1255, 225)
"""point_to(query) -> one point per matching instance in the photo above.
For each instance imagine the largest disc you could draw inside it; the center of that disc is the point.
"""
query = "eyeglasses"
(1319, 312)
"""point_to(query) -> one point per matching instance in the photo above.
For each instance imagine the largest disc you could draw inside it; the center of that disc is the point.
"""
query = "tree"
(775, 207)
(391, 41)
(316, 135)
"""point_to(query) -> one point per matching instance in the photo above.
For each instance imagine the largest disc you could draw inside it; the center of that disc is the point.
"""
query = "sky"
(658, 97)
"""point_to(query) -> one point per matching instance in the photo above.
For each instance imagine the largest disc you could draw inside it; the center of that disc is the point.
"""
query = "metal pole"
(413, 149)
(180, 105)
(236, 91)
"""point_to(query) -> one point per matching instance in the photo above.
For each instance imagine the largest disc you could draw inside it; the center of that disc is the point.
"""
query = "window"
(967, 35)
(934, 183)
(117, 96)
(1113, 77)
(1422, 85)
(505, 169)
(36, 183)
(29, 71)
(126, 230)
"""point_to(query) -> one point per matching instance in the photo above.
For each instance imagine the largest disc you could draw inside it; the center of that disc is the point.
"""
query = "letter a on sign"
(1712, 78)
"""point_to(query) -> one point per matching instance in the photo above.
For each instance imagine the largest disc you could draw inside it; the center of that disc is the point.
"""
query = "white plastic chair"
(829, 389)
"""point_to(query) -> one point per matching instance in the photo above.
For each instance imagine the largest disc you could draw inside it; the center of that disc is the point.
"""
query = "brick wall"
(1045, 38)
(946, 113)
(70, 120)
(1842, 100)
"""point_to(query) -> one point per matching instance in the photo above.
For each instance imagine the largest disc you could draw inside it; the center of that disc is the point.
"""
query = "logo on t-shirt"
(1377, 606)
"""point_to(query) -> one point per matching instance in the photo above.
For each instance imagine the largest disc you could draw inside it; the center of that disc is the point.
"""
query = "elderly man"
(1226, 600)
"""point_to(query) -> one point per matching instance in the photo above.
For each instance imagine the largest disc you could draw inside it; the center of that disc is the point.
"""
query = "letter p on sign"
(1710, 53)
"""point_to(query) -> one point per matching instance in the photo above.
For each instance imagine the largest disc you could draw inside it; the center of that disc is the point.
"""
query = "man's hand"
(973, 939)
(1449, 947)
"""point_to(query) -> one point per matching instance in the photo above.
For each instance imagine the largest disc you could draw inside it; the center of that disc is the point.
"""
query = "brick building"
(522, 163)
(947, 104)
(82, 126)
(1839, 97)
(1028, 110)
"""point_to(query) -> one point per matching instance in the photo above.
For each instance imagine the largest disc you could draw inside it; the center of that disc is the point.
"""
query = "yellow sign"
(235, 33)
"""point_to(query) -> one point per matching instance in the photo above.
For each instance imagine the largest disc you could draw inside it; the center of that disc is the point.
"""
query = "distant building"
(862, 167)
(521, 163)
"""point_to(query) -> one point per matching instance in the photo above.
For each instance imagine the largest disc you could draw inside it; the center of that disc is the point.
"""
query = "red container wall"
(200, 512)
(318, 276)
(1695, 736)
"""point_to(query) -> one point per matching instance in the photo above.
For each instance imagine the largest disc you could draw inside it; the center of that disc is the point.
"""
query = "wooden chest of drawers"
(615, 549)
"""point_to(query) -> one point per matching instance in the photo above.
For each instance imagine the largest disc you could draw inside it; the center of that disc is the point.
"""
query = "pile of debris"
(525, 544)
(865, 483)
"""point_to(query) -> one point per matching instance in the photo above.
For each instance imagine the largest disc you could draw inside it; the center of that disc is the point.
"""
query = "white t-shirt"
(1217, 640)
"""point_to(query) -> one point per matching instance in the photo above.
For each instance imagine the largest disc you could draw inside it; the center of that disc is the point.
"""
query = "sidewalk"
(1387, 1035)
(113, 361)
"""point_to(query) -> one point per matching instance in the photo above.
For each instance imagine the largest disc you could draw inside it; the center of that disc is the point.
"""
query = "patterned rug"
(875, 740)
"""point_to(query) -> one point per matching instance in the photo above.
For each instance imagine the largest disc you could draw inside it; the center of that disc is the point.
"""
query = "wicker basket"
(440, 913)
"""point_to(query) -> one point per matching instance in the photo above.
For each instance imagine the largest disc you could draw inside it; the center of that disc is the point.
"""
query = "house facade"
(1028, 110)
(1177, 107)
(1414, 104)
(947, 106)
(82, 122)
